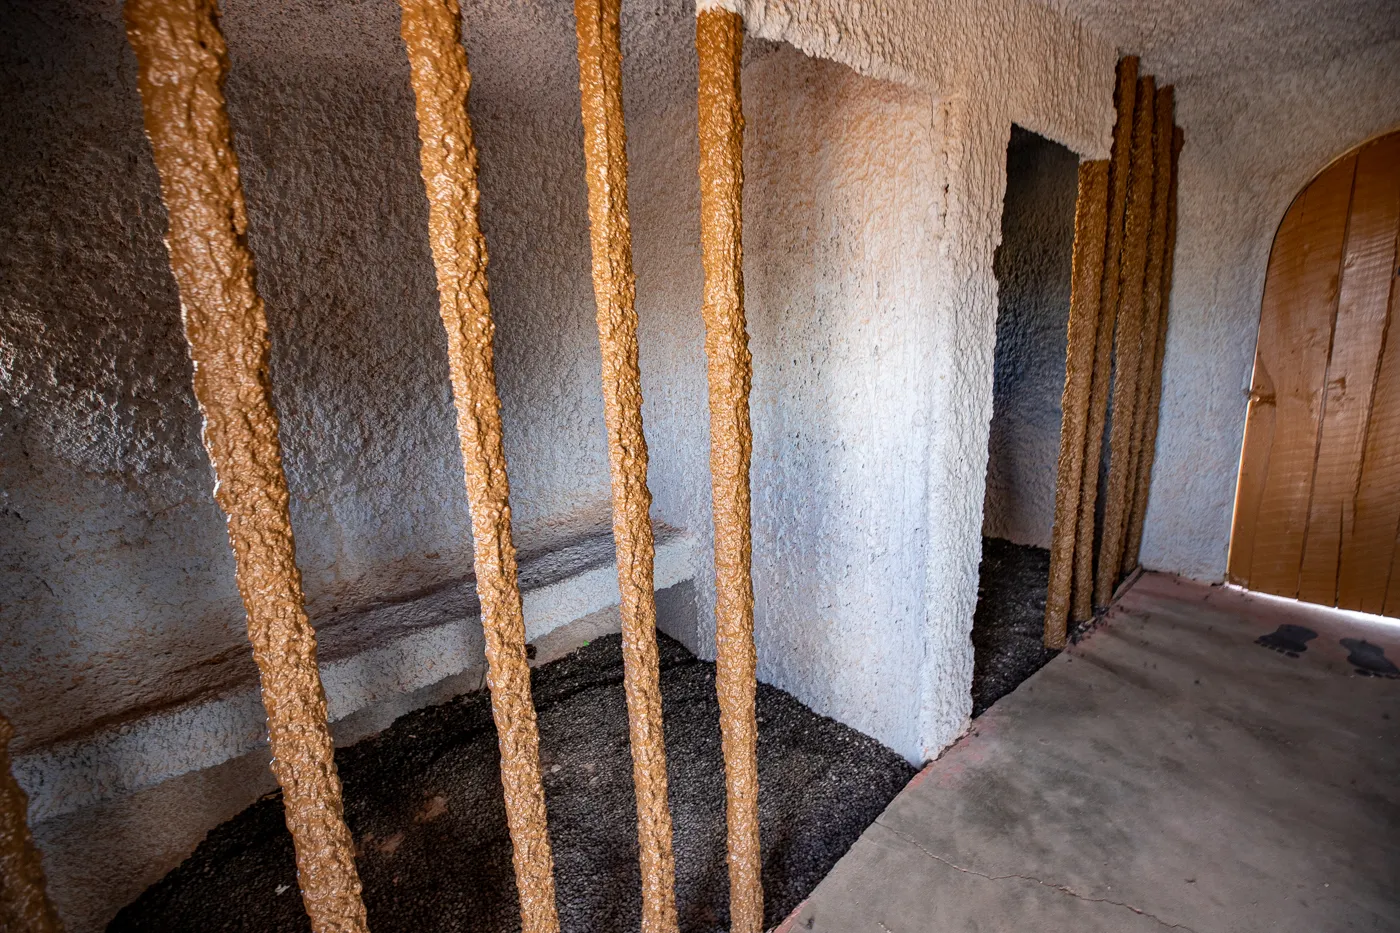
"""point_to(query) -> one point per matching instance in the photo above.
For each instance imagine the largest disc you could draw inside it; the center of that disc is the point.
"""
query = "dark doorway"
(1033, 269)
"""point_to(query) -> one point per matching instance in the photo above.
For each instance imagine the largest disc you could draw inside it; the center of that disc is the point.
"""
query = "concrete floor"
(1184, 766)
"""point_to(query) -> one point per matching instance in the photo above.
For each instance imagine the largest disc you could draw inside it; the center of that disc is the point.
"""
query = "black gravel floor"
(1010, 620)
(423, 799)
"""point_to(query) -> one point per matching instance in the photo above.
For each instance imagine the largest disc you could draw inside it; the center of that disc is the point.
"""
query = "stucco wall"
(871, 293)
(840, 227)
(118, 580)
(1253, 140)
(985, 66)
(1033, 266)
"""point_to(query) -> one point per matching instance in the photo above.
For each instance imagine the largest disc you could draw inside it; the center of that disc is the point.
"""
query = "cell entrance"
(1033, 269)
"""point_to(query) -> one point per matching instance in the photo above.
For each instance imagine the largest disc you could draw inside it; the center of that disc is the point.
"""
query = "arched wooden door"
(1317, 508)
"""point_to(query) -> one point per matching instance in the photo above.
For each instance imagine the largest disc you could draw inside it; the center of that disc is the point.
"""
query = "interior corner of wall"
(939, 742)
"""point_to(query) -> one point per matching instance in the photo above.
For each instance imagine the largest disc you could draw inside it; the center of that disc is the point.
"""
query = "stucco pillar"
(1086, 290)
(1128, 343)
(1153, 330)
(1125, 100)
(719, 43)
(182, 62)
(973, 138)
(614, 287)
(431, 32)
(1154, 404)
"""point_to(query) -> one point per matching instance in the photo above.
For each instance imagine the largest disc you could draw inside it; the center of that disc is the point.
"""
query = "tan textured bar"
(1164, 112)
(24, 907)
(1127, 346)
(614, 288)
(1125, 98)
(719, 44)
(1090, 232)
(1143, 482)
(431, 32)
(182, 60)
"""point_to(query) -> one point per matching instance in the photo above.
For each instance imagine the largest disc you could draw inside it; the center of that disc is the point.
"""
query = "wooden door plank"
(1385, 421)
(1281, 277)
(1369, 548)
(1259, 425)
(1380, 483)
(1295, 331)
(1363, 297)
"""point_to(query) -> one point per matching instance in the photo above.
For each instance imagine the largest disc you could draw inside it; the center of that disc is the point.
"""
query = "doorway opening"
(1033, 268)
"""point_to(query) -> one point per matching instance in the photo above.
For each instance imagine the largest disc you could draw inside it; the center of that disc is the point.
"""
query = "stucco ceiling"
(1183, 39)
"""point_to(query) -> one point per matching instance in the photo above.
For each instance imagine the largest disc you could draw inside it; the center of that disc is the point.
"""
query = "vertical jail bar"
(1151, 318)
(1143, 483)
(1086, 289)
(182, 61)
(1125, 99)
(431, 32)
(719, 43)
(24, 907)
(1127, 348)
(614, 288)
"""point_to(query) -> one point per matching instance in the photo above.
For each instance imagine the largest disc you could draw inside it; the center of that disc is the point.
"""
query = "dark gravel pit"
(1009, 623)
(423, 800)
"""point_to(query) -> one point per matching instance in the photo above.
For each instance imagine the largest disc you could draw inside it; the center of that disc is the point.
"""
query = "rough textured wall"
(1191, 39)
(1033, 267)
(870, 456)
(985, 65)
(100, 449)
(840, 182)
(1040, 68)
(835, 164)
(117, 575)
(1252, 143)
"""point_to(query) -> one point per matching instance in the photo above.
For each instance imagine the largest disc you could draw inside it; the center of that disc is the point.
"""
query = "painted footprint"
(1368, 659)
(1289, 640)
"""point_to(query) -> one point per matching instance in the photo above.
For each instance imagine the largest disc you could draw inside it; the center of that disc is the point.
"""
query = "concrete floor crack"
(1047, 884)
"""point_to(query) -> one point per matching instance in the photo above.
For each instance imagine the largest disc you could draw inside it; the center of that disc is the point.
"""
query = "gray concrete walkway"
(1168, 772)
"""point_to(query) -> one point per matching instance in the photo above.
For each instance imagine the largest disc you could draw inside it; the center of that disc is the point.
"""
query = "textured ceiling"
(1183, 39)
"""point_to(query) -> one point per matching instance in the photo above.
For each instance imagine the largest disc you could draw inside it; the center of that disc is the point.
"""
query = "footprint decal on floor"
(1368, 659)
(1290, 640)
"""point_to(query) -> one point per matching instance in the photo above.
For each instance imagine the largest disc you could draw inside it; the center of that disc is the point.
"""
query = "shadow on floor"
(1008, 625)
(423, 800)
